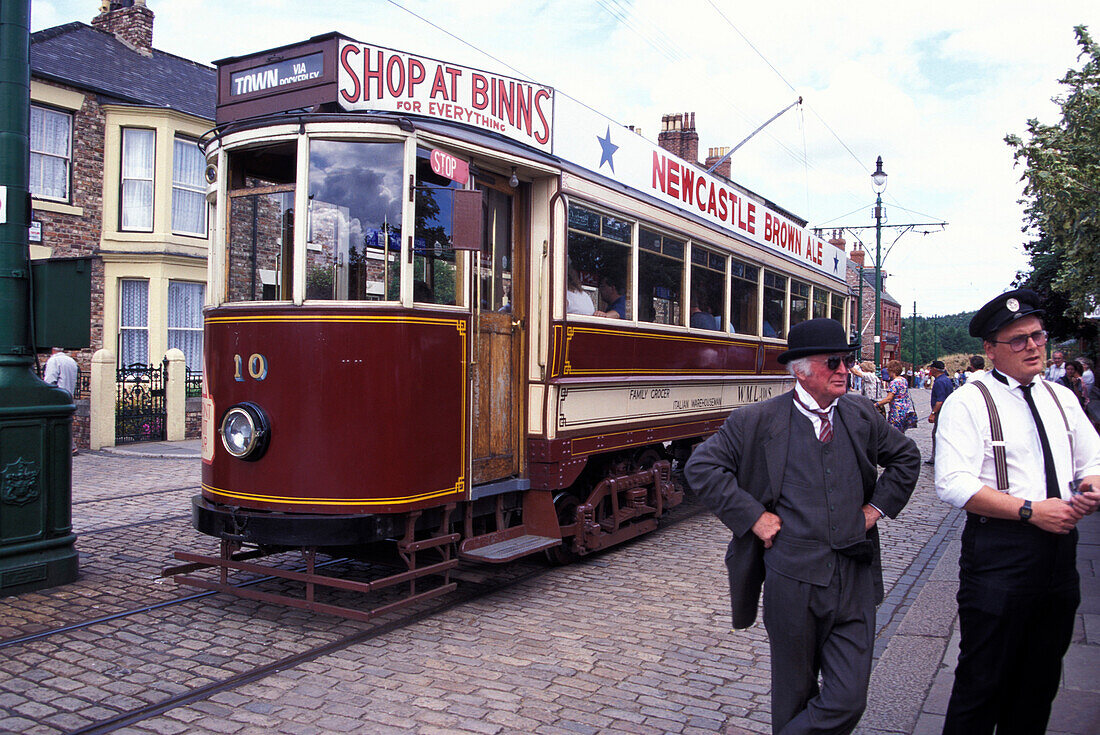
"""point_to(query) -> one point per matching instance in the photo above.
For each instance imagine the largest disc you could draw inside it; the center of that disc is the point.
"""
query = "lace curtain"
(49, 164)
(138, 147)
(188, 191)
(185, 320)
(133, 333)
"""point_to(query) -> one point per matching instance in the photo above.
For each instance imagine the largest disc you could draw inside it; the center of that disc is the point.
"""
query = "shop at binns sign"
(374, 78)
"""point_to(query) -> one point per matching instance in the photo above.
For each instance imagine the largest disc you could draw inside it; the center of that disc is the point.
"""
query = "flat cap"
(1004, 309)
(937, 364)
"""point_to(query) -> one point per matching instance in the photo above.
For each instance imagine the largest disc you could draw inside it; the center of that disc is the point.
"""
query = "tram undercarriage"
(616, 499)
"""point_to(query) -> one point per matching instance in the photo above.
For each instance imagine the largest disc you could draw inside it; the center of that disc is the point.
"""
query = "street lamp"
(878, 180)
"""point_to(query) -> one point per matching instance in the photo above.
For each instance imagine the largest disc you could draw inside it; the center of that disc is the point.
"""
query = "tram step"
(510, 549)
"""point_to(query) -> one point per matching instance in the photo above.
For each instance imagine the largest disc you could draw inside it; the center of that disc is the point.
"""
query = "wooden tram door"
(497, 376)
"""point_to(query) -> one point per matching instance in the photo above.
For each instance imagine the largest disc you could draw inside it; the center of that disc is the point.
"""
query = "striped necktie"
(825, 435)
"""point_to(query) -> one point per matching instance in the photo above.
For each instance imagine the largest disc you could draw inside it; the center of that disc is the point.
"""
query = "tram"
(467, 316)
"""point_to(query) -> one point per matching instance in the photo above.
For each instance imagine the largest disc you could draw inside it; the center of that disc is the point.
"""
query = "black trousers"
(1018, 595)
(827, 631)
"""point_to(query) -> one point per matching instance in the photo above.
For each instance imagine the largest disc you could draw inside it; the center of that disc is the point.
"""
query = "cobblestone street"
(635, 640)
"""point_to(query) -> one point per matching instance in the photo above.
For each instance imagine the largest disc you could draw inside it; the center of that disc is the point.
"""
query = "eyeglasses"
(1018, 344)
(833, 361)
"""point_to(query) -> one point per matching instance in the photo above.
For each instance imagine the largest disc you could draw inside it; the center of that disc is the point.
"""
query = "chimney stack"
(678, 136)
(713, 155)
(130, 21)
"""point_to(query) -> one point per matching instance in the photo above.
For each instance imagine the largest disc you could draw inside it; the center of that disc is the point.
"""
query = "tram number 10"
(257, 367)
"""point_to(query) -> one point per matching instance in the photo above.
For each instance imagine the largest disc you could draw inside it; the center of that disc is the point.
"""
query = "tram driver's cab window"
(355, 198)
(261, 223)
(436, 275)
(660, 277)
(599, 252)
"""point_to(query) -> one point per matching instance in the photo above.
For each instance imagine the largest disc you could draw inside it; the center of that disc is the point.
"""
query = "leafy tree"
(1062, 197)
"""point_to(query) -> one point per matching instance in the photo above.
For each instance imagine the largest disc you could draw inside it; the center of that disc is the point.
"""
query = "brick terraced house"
(116, 175)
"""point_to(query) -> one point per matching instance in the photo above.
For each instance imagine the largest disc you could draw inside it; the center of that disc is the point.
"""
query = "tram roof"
(335, 75)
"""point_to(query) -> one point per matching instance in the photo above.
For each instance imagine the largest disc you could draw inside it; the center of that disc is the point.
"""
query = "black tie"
(1048, 456)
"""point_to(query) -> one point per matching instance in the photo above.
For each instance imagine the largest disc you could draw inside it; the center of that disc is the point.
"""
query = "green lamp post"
(36, 540)
(878, 179)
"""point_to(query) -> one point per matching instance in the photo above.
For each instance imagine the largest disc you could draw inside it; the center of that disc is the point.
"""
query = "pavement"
(634, 640)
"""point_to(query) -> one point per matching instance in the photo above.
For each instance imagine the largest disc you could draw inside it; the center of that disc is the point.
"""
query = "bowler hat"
(1003, 310)
(816, 337)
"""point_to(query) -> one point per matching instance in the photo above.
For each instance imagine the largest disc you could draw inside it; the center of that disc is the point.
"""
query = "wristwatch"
(1025, 511)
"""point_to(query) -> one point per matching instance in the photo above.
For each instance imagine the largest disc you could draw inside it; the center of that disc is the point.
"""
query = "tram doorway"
(501, 317)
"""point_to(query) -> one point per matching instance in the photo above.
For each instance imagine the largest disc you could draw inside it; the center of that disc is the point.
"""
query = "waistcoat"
(820, 503)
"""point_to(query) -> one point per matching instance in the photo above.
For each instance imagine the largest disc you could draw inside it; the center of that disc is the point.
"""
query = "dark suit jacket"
(738, 473)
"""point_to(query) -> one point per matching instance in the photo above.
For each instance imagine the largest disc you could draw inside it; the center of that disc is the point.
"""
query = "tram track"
(116, 498)
(468, 592)
(135, 524)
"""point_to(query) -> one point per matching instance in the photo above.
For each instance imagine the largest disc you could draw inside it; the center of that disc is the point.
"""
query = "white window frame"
(123, 179)
(180, 188)
(192, 330)
(36, 191)
(122, 328)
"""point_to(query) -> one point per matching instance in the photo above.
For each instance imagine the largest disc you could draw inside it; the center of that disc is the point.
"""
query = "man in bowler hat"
(1019, 455)
(796, 480)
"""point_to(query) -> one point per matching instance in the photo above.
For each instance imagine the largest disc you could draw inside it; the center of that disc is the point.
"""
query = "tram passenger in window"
(701, 318)
(611, 292)
(577, 301)
(422, 292)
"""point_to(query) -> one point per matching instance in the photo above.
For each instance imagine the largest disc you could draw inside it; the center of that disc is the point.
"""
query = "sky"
(931, 87)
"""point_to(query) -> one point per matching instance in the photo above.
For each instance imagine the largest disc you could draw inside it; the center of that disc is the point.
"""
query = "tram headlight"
(245, 431)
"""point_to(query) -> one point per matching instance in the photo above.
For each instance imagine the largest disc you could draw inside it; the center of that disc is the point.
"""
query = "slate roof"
(87, 58)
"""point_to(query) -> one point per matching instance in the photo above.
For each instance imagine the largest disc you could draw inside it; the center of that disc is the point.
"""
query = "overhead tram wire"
(659, 41)
(787, 82)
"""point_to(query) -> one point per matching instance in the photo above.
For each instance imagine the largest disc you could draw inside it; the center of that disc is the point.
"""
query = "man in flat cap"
(795, 478)
(1017, 453)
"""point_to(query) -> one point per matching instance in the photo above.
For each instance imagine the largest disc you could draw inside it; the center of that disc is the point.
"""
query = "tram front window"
(354, 248)
(261, 223)
(435, 268)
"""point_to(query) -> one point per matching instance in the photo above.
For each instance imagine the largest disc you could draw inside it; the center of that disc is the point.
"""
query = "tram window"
(435, 268)
(800, 302)
(744, 287)
(708, 274)
(837, 308)
(261, 223)
(599, 249)
(354, 248)
(821, 302)
(660, 278)
(775, 305)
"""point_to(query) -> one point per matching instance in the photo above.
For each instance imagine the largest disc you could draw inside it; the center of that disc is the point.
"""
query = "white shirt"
(61, 371)
(579, 302)
(1055, 371)
(809, 401)
(964, 449)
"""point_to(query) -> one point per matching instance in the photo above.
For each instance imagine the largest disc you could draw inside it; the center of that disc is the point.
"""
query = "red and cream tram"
(467, 315)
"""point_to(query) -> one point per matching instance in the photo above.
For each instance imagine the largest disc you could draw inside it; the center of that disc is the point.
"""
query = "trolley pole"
(36, 540)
